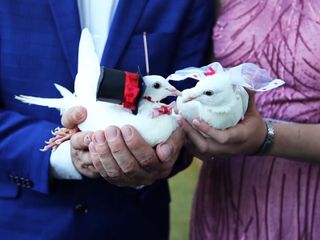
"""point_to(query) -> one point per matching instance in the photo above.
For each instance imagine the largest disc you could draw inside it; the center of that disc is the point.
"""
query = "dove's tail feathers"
(63, 91)
(46, 102)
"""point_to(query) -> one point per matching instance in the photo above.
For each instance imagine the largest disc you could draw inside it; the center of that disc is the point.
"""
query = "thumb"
(170, 149)
(74, 116)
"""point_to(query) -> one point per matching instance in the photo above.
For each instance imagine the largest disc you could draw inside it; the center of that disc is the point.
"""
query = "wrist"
(268, 141)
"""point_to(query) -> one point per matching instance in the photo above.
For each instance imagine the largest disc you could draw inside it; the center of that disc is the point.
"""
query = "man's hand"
(80, 154)
(246, 137)
(79, 141)
(123, 158)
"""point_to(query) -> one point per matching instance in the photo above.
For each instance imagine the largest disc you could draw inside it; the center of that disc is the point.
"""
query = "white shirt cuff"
(61, 163)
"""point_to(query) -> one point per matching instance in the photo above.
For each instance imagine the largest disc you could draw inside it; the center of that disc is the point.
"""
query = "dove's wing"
(242, 93)
(61, 104)
(87, 78)
(155, 130)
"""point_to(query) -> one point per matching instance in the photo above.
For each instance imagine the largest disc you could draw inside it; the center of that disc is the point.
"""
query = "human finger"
(142, 151)
(198, 140)
(74, 116)
(81, 140)
(232, 135)
(170, 149)
(83, 163)
(102, 157)
(108, 167)
(121, 154)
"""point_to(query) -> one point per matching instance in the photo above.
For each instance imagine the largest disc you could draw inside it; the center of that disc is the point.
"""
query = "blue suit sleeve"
(21, 161)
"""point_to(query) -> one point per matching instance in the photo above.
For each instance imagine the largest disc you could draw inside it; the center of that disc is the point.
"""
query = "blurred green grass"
(182, 187)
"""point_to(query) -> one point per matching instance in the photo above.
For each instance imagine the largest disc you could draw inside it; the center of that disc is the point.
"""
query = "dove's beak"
(188, 99)
(174, 91)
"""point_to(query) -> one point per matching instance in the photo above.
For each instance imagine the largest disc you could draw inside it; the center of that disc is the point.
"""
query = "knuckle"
(96, 162)
(146, 161)
(113, 173)
(101, 148)
(203, 148)
(104, 175)
(224, 138)
(129, 169)
(116, 148)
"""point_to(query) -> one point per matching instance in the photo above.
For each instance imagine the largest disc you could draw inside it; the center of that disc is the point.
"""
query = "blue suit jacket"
(38, 47)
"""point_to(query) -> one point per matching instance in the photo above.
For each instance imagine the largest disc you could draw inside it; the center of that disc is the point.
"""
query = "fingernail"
(126, 133)
(99, 137)
(196, 122)
(166, 151)
(111, 133)
(87, 139)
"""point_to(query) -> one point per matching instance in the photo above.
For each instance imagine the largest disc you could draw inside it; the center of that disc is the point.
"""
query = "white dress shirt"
(96, 15)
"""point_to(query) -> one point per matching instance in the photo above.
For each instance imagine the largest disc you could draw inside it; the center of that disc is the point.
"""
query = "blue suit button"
(28, 183)
(81, 208)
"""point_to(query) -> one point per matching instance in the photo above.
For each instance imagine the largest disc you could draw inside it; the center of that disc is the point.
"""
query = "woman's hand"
(246, 137)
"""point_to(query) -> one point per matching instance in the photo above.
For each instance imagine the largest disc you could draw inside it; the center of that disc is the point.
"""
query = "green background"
(182, 187)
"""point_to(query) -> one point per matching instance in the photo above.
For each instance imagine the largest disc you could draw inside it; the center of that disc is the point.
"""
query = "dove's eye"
(156, 85)
(208, 93)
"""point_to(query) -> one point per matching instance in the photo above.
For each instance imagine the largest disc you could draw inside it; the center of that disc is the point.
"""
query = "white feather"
(87, 78)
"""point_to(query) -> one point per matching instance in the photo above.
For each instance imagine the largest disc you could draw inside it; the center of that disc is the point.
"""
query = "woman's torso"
(266, 197)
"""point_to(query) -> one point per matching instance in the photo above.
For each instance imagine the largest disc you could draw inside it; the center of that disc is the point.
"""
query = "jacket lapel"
(124, 22)
(66, 18)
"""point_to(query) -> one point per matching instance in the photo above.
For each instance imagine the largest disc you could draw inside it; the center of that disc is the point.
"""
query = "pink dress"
(266, 197)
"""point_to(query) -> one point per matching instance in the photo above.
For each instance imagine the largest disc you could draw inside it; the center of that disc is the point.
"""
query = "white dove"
(214, 100)
(219, 98)
(154, 124)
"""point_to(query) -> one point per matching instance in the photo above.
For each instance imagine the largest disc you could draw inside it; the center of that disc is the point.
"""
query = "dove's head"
(158, 88)
(215, 90)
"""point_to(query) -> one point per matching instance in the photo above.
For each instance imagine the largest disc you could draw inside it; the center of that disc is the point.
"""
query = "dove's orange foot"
(60, 135)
